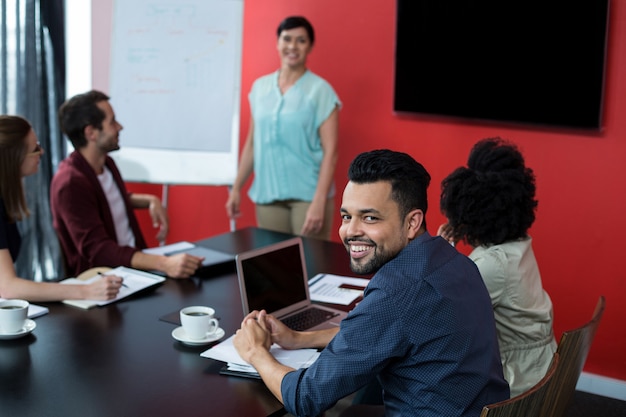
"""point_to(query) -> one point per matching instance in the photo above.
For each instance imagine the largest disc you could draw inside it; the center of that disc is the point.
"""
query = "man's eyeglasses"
(37, 150)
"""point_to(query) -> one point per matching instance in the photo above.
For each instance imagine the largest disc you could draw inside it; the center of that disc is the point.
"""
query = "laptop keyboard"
(308, 318)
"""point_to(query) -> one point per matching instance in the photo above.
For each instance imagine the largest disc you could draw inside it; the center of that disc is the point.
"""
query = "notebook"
(274, 278)
(134, 281)
(211, 256)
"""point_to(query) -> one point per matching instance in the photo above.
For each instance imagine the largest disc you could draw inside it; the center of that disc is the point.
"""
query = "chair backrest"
(527, 404)
(573, 349)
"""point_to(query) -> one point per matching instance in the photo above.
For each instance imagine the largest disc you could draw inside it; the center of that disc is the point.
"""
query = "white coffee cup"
(13, 315)
(198, 322)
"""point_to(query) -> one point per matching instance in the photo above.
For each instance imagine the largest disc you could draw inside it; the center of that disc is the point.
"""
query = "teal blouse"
(287, 147)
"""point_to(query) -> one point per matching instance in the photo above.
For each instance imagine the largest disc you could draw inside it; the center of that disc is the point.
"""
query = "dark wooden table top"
(121, 360)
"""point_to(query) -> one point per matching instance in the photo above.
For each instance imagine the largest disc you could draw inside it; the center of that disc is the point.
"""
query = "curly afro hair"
(492, 201)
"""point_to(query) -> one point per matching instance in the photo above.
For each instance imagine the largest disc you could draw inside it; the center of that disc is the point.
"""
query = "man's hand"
(280, 333)
(159, 218)
(182, 265)
(157, 212)
(253, 342)
(253, 337)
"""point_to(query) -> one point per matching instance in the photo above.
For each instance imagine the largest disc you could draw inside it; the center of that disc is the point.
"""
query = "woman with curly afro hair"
(490, 205)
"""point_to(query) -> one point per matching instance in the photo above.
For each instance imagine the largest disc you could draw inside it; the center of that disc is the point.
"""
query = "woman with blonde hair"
(20, 154)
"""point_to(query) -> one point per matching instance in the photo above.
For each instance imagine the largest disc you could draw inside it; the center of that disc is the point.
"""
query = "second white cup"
(198, 321)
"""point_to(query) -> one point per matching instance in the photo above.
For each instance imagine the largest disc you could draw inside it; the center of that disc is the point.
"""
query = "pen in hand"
(123, 285)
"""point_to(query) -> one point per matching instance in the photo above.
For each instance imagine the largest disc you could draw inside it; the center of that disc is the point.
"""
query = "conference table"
(121, 359)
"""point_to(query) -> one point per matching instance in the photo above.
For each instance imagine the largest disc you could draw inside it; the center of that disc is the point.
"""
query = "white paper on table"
(133, 281)
(226, 352)
(171, 248)
(326, 288)
(241, 368)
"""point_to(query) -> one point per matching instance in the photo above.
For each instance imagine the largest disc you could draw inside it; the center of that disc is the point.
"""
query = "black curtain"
(32, 76)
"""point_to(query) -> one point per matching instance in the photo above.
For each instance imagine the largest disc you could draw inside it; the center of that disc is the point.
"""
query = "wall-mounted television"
(538, 62)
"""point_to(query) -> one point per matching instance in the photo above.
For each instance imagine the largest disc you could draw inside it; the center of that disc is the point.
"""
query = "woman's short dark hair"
(492, 200)
(409, 179)
(293, 22)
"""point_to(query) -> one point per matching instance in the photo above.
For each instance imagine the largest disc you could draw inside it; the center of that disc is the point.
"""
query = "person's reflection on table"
(91, 332)
(15, 368)
(188, 287)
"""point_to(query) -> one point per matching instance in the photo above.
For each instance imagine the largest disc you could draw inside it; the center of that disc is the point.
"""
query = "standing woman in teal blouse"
(292, 142)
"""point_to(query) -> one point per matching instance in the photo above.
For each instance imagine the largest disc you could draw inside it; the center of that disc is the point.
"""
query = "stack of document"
(226, 352)
(336, 289)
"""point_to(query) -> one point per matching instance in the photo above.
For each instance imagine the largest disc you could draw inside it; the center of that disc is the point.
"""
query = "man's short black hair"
(409, 179)
(79, 112)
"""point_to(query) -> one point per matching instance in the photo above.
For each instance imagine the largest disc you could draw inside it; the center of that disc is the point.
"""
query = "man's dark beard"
(373, 265)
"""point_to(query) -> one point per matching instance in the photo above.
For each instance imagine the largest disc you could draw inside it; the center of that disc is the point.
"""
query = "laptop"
(275, 278)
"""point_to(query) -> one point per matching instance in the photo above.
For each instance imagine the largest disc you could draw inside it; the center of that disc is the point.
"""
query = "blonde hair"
(13, 132)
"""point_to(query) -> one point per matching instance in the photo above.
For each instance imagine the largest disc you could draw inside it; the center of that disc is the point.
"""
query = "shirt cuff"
(289, 390)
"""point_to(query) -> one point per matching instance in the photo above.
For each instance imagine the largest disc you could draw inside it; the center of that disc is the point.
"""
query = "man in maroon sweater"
(92, 211)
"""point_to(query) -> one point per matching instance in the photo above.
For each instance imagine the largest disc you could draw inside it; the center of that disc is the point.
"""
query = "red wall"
(581, 177)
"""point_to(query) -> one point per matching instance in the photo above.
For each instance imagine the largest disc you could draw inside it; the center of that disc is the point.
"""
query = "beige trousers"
(288, 216)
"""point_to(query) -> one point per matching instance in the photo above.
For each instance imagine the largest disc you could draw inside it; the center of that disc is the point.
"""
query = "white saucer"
(29, 326)
(180, 335)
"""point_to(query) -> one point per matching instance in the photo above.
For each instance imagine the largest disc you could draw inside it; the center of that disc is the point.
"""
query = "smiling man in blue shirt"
(425, 327)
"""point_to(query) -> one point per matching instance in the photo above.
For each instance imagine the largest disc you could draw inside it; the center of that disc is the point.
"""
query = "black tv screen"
(538, 62)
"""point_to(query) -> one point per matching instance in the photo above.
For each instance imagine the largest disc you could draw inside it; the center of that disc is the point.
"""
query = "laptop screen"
(274, 277)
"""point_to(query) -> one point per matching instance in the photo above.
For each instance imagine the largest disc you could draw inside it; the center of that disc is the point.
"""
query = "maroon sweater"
(83, 220)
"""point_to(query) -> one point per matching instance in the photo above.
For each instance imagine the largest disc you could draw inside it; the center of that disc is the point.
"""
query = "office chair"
(572, 349)
(527, 404)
